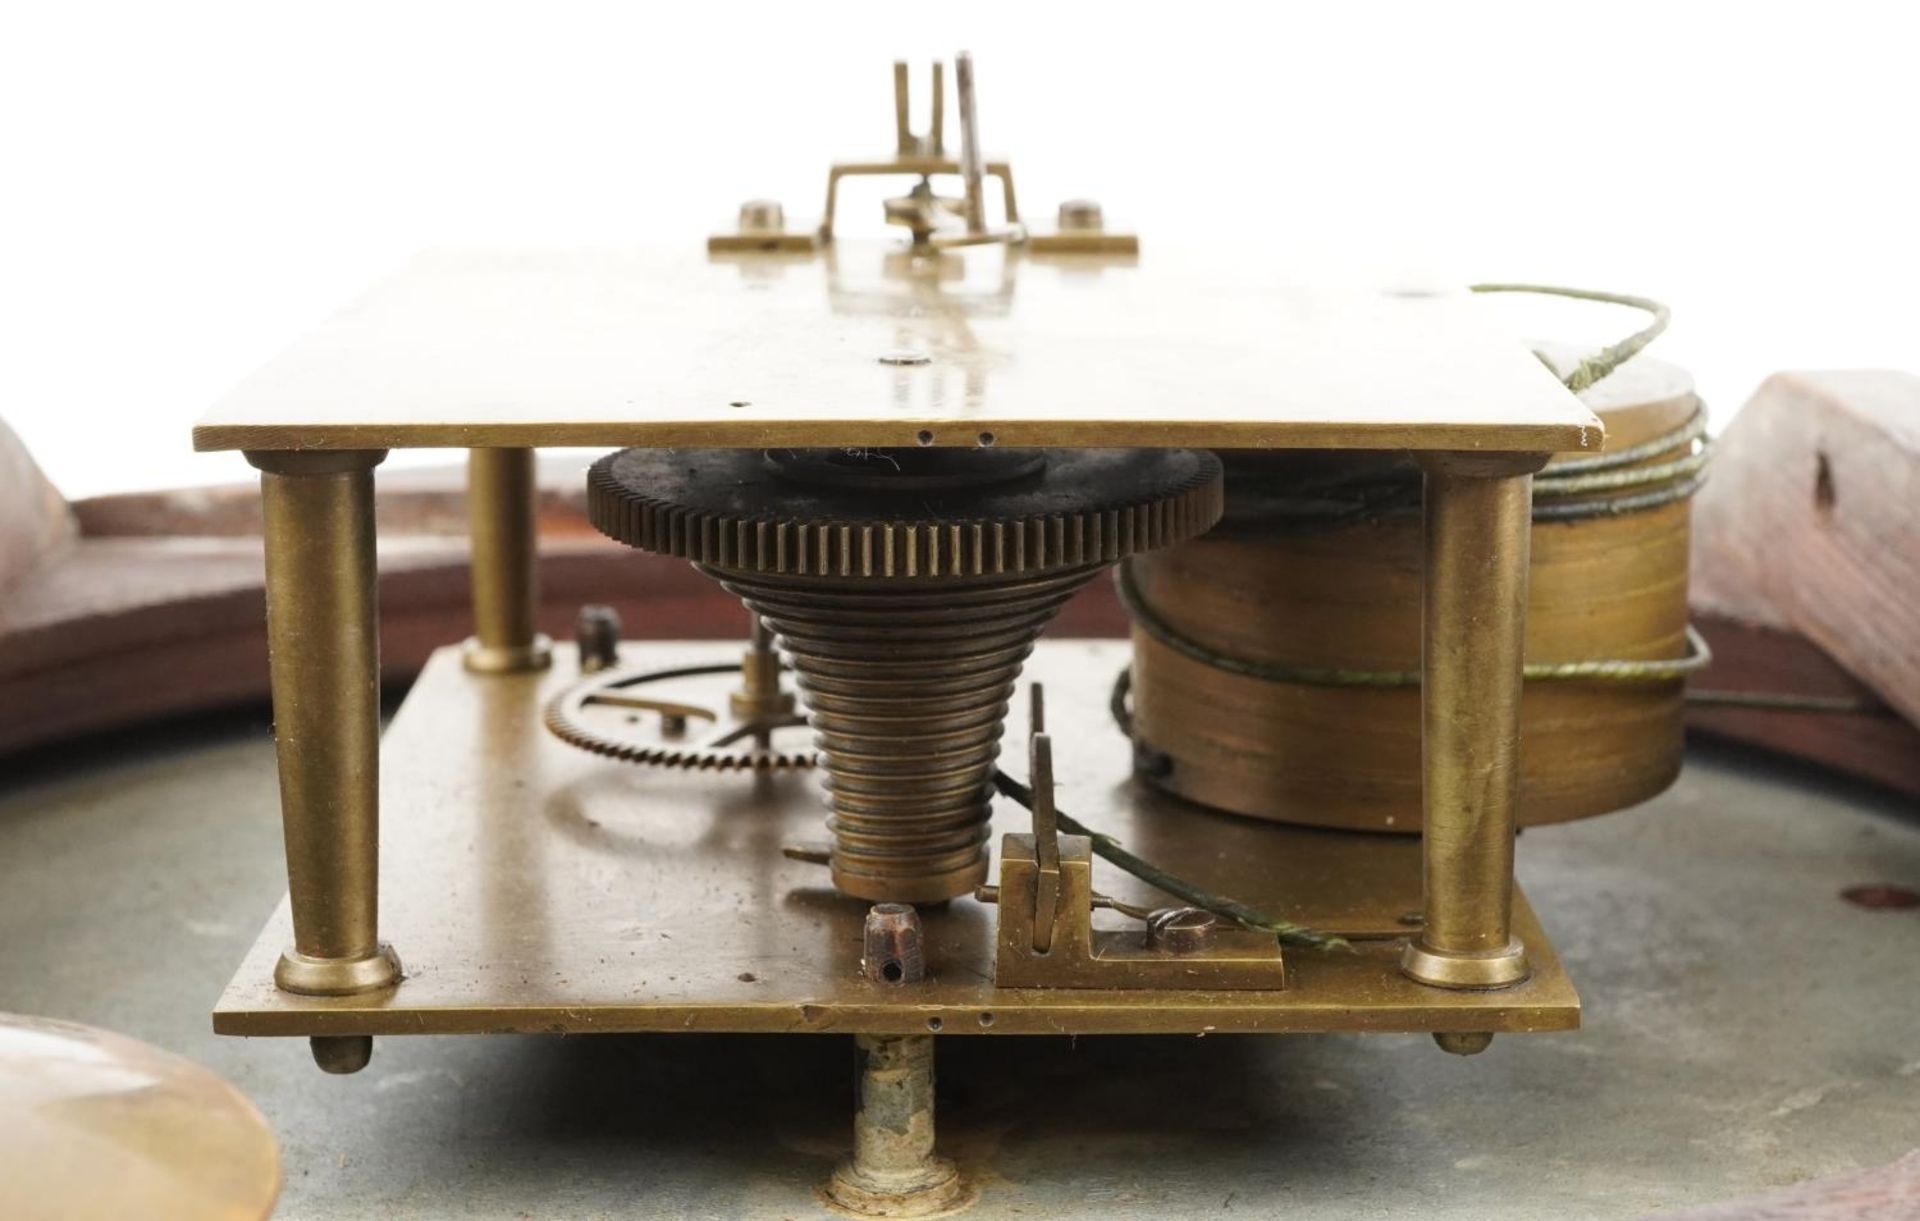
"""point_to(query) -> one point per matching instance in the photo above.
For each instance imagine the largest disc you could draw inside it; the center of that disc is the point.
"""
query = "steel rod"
(970, 157)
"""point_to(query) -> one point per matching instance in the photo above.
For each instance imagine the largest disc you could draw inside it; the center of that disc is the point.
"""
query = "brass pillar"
(1479, 523)
(323, 640)
(506, 591)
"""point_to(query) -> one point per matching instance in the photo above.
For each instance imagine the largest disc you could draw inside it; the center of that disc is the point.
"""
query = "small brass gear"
(565, 719)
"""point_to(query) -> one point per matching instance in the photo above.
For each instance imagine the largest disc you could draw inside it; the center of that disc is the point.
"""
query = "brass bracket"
(924, 156)
(931, 218)
(1045, 937)
(924, 167)
(1081, 956)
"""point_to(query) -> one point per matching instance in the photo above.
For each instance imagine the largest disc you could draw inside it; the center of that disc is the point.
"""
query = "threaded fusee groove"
(906, 687)
(905, 588)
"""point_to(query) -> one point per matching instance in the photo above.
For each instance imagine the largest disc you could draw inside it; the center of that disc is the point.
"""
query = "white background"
(188, 187)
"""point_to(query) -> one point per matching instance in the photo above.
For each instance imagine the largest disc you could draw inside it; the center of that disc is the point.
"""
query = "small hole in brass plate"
(986, 1019)
(740, 403)
(933, 1024)
(891, 972)
(925, 437)
(985, 439)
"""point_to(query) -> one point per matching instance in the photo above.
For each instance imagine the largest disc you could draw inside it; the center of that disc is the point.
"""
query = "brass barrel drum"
(1276, 659)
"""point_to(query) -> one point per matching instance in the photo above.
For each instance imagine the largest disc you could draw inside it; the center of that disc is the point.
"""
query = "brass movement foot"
(940, 1190)
(340, 1054)
(1463, 1043)
(893, 1171)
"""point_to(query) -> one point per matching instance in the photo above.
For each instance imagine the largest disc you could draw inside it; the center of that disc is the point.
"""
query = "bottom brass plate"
(531, 887)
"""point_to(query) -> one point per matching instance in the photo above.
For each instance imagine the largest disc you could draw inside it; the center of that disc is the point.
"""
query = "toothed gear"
(953, 514)
(563, 719)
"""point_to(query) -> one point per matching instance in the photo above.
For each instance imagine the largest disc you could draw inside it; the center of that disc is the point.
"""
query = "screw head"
(596, 629)
(762, 216)
(1081, 216)
(1181, 930)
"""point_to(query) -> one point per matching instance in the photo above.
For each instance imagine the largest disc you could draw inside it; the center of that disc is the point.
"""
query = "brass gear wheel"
(903, 514)
(565, 719)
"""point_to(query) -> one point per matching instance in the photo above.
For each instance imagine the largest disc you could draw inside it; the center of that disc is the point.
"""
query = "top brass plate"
(864, 346)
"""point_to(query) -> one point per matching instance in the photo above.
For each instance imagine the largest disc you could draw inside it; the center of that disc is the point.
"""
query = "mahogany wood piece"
(1811, 522)
(34, 521)
(1806, 569)
(1881, 746)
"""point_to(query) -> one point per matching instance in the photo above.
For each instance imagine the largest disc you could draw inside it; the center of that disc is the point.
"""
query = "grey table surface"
(1746, 1028)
